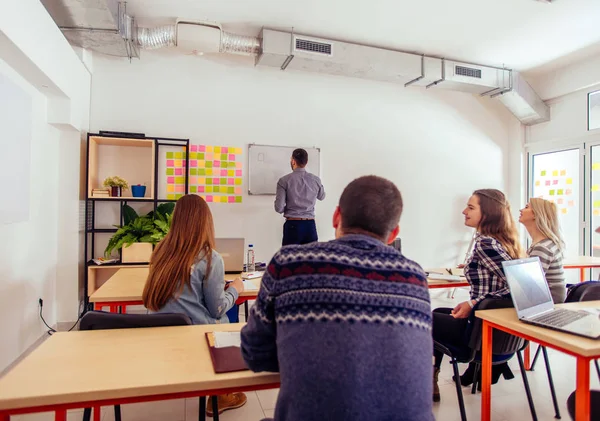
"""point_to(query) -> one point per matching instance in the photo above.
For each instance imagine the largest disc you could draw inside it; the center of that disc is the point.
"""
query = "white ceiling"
(521, 34)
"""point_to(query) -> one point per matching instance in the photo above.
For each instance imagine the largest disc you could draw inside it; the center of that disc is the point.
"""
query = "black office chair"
(504, 346)
(100, 320)
(594, 405)
(584, 291)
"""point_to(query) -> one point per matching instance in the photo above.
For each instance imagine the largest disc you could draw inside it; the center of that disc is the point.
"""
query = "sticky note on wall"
(569, 181)
(596, 166)
(543, 173)
(596, 204)
(555, 173)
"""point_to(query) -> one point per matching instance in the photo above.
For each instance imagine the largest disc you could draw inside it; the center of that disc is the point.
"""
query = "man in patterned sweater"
(347, 323)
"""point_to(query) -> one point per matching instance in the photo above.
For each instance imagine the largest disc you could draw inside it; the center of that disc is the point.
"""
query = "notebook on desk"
(225, 351)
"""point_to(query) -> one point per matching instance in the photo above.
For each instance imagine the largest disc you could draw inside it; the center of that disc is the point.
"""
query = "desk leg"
(486, 372)
(60, 415)
(582, 394)
(246, 310)
(527, 357)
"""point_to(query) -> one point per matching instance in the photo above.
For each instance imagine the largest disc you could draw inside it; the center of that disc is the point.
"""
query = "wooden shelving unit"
(134, 157)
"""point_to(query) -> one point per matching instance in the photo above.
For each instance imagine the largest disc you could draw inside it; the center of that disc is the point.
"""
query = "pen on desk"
(449, 271)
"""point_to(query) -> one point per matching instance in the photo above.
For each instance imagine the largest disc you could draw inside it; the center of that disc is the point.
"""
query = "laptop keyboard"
(558, 318)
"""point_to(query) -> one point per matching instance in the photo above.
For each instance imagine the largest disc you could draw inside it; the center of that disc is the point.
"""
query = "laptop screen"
(527, 284)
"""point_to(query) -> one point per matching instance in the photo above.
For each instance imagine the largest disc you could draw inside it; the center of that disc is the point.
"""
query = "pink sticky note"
(193, 181)
(231, 157)
(548, 182)
(224, 149)
(209, 156)
(238, 173)
(170, 163)
(223, 173)
(555, 182)
(231, 199)
(170, 180)
(200, 189)
(193, 163)
(230, 181)
(183, 163)
(193, 148)
(238, 190)
(560, 201)
(217, 164)
(178, 171)
(569, 191)
(180, 188)
(216, 181)
(201, 148)
(209, 198)
(238, 165)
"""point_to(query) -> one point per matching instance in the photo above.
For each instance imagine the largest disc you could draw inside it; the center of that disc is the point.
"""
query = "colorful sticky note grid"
(216, 170)
(569, 181)
(596, 166)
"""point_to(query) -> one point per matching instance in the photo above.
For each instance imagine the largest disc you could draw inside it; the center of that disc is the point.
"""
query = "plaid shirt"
(484, 269)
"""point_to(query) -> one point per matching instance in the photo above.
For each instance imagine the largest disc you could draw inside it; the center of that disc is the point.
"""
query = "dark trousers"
(448, 331)
(299, 232)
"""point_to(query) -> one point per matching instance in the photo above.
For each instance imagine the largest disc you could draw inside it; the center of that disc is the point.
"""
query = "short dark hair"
(301, 157)
(372, 204)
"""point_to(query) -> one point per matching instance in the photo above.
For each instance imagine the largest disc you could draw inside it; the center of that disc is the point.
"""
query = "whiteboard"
(15, 142)
(267, 164)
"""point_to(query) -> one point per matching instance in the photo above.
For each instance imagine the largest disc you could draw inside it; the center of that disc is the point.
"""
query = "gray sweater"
(551, 259)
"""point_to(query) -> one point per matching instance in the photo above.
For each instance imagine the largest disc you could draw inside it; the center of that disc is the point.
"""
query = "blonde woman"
(540, 217)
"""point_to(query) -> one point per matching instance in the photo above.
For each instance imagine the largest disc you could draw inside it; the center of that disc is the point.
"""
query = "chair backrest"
(585, 291)
(503, 343)
(98, 320)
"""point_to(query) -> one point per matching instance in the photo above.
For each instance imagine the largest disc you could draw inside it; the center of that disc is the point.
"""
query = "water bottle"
(250, 267)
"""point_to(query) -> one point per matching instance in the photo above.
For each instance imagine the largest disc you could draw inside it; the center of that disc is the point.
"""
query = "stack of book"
(100, 193)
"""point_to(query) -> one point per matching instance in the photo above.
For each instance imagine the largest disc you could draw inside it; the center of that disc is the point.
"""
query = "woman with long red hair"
(188, 276)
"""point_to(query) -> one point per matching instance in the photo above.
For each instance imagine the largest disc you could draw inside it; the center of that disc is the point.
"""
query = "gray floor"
(508, 397)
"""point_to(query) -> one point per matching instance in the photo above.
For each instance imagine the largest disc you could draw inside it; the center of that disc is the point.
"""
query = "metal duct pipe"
(166, 36)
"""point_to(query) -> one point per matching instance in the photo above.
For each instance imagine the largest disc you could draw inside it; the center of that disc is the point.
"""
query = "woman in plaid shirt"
(496, 240)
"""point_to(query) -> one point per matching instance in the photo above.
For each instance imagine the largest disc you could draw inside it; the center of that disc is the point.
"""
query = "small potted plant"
(138, 190)
(117, 185)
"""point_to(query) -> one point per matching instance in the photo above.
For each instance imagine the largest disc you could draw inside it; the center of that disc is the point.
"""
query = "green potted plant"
(136, 238)
(116, 184)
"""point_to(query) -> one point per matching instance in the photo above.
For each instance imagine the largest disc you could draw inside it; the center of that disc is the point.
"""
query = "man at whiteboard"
(296, 196)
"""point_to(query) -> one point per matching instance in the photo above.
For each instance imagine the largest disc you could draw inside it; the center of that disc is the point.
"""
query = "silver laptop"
(232, 252)
(533, 301)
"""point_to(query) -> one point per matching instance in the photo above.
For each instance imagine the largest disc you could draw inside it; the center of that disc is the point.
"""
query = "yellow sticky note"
(209, 171)
(201, 181)
(595, 187)
(217, 149)
(555, 173)
(210, 148)
(170, 197)
(201, 164)
(170, 188)
(563, 172)
(238, 151)
(564, 211)
(208, 189)
(223, 199)
(238, 181)
(596, 166)
(178, 163)
(231, 173)
(596, 212)
(569, 181)
(537, 183)
(596, 204)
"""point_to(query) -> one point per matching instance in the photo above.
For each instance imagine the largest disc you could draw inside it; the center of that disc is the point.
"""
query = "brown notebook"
(225, 359)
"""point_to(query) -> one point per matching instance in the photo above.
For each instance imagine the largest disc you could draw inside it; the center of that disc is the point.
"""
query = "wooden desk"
(581, 348)
(438, 283)
(130, 365)
(582, 263)
(125, 288)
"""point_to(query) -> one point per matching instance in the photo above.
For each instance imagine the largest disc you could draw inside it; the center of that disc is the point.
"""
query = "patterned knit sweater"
(348, 325)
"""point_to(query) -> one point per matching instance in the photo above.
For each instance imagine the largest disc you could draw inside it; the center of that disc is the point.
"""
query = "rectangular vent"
(313, 46)
(467, 71)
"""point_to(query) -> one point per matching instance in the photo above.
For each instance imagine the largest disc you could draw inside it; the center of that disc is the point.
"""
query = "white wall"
(437, 146)
(568, 121)
(28, 257)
